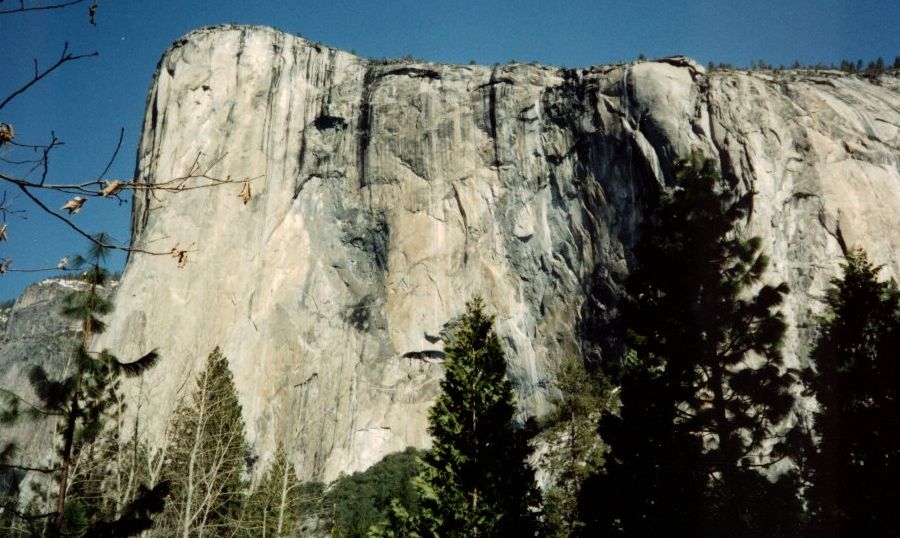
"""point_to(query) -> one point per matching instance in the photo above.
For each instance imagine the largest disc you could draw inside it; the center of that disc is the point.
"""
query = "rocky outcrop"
(33, 332)
(386, 194)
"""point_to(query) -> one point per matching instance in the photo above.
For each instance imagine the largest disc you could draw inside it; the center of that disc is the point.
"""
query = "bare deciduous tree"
(206, 457)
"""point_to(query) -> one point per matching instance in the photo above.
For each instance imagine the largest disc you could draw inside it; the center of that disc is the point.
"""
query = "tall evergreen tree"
(273, 509)
(574, 450)
(704, 390)
(475, 480)
(206, 458)
(856, 469)
(79, 402)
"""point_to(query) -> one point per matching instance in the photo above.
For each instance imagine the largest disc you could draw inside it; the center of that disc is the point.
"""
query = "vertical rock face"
(386, 194)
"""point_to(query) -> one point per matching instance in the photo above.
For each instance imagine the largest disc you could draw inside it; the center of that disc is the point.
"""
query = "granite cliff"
(385, 194)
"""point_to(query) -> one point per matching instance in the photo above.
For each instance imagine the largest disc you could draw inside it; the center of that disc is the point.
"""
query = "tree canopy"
(857, 464)
(704, 389)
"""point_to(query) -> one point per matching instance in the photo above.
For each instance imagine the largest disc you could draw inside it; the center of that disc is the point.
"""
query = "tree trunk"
(69, 437)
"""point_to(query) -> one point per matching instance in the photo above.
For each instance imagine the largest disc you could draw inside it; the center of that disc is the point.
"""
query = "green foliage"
(475, 480)
(575, 451)
(80, 401)
(398, 523)
(704, 391)
(206, 457)
(857, 466)
(275, 507)
(358, 501)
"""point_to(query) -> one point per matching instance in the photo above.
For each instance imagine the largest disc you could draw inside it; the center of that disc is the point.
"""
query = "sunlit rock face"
(386, 194)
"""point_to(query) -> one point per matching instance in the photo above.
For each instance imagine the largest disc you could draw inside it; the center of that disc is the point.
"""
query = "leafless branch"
(28, 517)
(6, 207)
(46, 270)
(46, 209)
(45, 470)
(198, 176)
(114, 155)
(174, 185)
(34, 408)
(45, 161)
(33, 146)
(65, 57)
(23, 8)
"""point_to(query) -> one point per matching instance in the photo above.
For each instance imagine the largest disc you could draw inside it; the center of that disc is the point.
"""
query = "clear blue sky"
(86, 103)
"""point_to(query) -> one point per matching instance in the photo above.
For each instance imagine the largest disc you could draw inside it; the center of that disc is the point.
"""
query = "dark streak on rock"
(330, 122)
(492, 115)
(425, 355)
(836, 234)
(413, 72)
(365, 122)
(800, 196)
(301, 161)
(494, 81)
(462, 213)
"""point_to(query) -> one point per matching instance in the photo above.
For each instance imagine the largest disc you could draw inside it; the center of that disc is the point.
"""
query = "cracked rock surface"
(386, 194)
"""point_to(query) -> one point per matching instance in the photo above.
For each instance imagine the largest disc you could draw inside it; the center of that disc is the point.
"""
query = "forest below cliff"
(376, 295)
(695, 428)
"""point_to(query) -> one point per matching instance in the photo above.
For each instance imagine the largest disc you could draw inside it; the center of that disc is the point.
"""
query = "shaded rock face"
(385, 195)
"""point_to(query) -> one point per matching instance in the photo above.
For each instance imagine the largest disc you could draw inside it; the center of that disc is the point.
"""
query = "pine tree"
(575, 451)
(80, 401)
(273, 509)
(206, 459)
(856, 469)
(475, 480)
(704, 389)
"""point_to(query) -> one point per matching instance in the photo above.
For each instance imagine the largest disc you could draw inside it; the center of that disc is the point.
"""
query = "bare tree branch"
(65, 57)
(44, 270)
(46, 209)
(45, 470)
(114, 155)
(28, 517)
(45, 161)
(34, 408)
(23, 8)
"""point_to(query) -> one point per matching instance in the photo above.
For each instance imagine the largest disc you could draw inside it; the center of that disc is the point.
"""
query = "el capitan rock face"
(386, 194)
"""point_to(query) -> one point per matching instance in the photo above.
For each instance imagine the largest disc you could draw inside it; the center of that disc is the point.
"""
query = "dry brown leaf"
(245, 194)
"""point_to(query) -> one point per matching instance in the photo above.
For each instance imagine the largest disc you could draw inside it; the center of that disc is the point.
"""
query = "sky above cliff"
(86, 103)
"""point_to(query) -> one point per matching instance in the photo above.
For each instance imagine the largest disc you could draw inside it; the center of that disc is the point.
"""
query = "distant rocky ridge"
(34, 332)
(386, 194)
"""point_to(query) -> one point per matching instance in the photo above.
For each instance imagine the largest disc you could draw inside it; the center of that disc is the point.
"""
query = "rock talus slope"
(386, 194)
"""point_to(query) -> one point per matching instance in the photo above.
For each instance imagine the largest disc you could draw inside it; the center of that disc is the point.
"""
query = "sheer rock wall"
(386, 194)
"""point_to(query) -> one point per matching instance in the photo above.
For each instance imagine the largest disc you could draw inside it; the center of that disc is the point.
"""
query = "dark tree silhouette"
(856, 469)
(704, 390)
